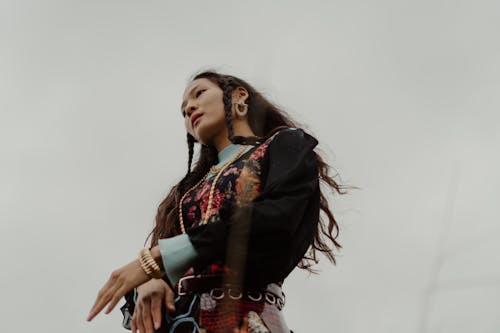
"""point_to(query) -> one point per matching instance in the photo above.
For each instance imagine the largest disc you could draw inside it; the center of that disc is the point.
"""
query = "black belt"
(214, 285)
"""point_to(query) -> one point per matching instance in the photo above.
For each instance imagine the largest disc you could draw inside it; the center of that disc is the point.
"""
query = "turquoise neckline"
(228, 152)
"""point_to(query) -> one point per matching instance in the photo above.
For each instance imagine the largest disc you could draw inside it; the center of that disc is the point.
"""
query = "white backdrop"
(402, 95)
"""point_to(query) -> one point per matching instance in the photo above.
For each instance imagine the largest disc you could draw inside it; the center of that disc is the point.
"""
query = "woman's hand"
(148, 305)
(120, 282)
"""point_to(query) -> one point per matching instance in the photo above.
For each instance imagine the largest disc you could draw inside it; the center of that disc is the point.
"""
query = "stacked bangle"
(149, 265)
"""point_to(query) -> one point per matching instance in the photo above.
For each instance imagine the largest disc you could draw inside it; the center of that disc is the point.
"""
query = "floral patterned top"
(240, 181)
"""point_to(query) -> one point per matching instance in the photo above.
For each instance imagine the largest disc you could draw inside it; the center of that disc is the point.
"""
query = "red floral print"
(217, 200)
(230, 171)
(205, 190)
(259, 152)
(191, 212)
(247, 185)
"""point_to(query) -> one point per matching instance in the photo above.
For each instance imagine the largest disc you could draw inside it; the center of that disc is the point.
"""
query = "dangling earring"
(238, 109)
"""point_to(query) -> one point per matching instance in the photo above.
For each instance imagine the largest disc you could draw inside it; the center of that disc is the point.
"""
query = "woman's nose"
(190, 109)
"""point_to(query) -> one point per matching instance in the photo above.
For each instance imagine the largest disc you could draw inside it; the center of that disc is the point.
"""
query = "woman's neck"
(239, 129)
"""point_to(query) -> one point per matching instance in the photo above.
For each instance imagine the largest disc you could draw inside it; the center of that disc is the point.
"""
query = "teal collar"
(228, 152)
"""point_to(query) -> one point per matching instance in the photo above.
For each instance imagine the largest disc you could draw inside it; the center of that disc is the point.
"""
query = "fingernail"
(157, 325)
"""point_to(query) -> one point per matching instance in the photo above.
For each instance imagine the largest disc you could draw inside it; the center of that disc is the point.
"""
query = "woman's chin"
(201, 133)
(202, 139)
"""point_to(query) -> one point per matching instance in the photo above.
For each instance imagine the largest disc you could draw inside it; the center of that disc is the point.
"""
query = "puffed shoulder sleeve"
(269, 236)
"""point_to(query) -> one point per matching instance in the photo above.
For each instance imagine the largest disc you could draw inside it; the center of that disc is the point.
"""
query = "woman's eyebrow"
(190, 92)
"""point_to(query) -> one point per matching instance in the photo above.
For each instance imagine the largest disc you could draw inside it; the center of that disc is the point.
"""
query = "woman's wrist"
(149, 264)
(155, 253)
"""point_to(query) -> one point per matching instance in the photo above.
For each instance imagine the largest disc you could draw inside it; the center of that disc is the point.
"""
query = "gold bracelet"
(150, 262)
(149, 265)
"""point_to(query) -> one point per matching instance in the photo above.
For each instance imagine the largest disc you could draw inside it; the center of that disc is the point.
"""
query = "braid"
(227, 99)
(190, 141)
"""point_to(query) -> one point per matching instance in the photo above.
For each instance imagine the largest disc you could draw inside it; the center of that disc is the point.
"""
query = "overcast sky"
(403, 96)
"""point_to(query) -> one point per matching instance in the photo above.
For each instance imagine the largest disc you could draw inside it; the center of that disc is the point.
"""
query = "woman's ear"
(239, 95)
(239, 108)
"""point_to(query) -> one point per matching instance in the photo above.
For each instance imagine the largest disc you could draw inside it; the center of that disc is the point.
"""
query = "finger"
(156, 311)
(93, 312)
(146, 318)
(244, 326)
(169, 300)
(102, 299)
(133, 326)
(104, 296)
(139, 320)
(119, 293)
(98, 300)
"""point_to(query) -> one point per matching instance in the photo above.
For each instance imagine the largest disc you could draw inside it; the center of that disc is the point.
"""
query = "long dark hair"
(264, 119)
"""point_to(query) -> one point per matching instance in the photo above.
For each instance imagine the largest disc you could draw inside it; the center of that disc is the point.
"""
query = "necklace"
(212, 189)
(214, 169)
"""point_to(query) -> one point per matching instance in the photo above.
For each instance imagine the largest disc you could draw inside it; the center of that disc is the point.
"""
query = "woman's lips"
(195, 120)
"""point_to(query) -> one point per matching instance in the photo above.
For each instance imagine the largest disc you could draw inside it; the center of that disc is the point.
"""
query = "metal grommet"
(280, 303)
(270, 298)
(255, 299)
(233, 297)
(217, 293)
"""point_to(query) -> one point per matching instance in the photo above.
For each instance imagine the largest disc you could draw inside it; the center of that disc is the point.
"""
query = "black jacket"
(267, 238)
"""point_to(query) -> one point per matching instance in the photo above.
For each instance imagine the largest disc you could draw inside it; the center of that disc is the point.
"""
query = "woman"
(230, 232)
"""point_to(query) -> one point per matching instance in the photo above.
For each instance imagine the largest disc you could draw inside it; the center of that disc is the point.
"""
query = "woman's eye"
(199, 92)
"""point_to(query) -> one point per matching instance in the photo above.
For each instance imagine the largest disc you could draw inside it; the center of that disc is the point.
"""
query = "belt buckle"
(179, 284)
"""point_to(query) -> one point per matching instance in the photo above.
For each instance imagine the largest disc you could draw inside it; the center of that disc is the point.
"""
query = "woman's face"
(203, 110)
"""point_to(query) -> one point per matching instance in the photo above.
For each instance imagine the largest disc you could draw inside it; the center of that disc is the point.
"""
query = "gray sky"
(402, 95)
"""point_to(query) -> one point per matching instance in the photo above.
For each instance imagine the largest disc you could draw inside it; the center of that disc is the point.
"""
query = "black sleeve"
(271, 234)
